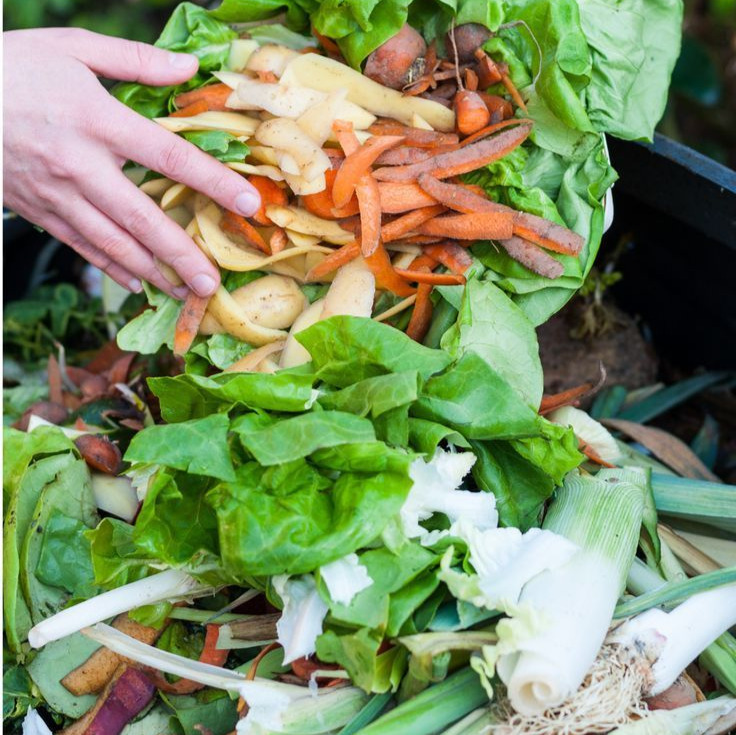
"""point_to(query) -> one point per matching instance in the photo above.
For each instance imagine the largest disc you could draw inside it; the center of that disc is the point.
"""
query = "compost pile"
(332, 498)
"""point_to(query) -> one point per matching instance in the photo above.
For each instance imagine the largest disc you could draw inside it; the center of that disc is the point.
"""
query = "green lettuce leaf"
(375, 396)
(190, 29)
(116, 558)
(223, 146)
(348, 349)
(475, 400)
(493, 327)
(198, 446)
(293, 518)
(195, 396)
(154, 328)
(300, 436)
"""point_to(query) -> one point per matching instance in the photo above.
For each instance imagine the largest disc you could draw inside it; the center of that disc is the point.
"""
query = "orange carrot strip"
(414, 136)
(511, 89)
(500, 108)
(408, 222)
(334, 260)
(569, 397)
(531, 256)
(323, 205)
(369, 201)
(327, 44)
(271, 193)
(528, 226)
(421, 239)
(403, 197)
(278, 240)
(253, 670)
(592, 455)
(187, 325)
(240, 227)
(421, 316)
(423, 262)
(490, 129)
(386, 276)
(190, 110)
(366, 189)
(484, 226)
(436, 279)
(408, 154)
(459, 161)
(215, 95)
(451, 255)
(335, 155)
(357, 164)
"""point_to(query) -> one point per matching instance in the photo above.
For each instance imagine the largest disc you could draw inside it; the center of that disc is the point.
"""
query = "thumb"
(132, 61)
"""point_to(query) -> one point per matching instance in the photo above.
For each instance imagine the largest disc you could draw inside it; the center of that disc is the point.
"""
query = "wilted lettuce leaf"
(347, 349)
(198, 446)
(116, 559)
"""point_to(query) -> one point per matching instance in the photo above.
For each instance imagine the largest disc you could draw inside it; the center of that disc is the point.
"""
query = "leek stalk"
(434, 708)
(603, 517)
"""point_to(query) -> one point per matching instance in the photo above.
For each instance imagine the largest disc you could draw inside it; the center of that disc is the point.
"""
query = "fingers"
(132, 61)
(121, 200)
(117, 245)
(60, 230)
(150, 145)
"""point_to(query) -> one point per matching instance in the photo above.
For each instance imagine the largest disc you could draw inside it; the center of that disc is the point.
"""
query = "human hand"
(66, 139)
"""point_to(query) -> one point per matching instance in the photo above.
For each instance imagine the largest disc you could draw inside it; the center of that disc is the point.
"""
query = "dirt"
(567, 362)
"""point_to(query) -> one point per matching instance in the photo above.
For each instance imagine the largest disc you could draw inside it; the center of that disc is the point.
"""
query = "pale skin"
(66, 140)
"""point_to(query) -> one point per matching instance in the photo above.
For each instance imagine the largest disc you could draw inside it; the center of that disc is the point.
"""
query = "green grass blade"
(675, 592)
(705, 443)
(719, 659)
(373, 708)
(666, 398)
(434, 708)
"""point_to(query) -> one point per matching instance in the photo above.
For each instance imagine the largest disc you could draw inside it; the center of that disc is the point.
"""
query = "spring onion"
(168, 585)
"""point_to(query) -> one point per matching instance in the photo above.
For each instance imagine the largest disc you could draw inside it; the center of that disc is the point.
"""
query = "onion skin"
(390, 63)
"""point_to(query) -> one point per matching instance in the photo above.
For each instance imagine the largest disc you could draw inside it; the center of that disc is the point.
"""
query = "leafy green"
(18, 693)
(297, 437)
(220, 350)
(116, 558)
(198, 446)
(348, 349)
(472, 398)
(292, 518)
(177, 526)
(425, 436)
(375, 396)
(20, 397)
(223, 146)
(492, 326)
(190, 29)
(210, 711)
(154, 328)
(194, 396)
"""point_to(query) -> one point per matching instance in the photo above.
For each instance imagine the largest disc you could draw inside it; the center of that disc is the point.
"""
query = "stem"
(156, 588)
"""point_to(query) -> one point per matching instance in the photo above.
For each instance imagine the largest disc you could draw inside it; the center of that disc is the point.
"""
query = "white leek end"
(680, 635)
(167, 585)
(576, 601)
(701, 718)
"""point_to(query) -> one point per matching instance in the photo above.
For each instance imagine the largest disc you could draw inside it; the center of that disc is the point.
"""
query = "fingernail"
(135, 285)
(247, 203)
(181, 292)
(182, 61)
(203, 284)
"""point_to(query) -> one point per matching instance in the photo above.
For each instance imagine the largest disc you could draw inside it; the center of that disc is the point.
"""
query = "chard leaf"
(348, 349)
(297, 437)
(195, 396)
(198, 446)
